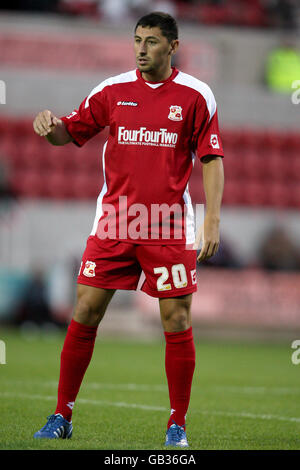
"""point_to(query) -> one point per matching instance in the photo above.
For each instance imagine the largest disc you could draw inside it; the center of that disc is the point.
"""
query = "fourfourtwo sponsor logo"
(143, 136)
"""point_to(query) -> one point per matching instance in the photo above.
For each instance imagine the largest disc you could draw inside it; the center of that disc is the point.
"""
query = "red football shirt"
(155, 131)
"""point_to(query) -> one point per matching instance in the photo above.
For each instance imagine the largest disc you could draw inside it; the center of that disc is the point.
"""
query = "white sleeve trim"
(122, 78)
(201, 87)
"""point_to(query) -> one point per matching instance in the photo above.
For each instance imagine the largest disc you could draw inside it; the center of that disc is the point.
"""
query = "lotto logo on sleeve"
(214, 142)
(73, 113)
(89, 269)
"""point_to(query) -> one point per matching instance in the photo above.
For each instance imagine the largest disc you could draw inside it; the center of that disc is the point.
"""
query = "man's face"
(152, 49)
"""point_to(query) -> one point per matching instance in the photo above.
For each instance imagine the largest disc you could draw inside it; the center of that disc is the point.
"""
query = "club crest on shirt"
(89, 269)
(175, 113)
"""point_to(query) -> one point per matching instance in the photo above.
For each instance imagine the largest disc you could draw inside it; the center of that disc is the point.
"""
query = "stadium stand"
(264, 166)
(254, 14)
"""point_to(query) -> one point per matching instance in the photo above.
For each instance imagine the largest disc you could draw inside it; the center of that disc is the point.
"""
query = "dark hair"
(164, 21)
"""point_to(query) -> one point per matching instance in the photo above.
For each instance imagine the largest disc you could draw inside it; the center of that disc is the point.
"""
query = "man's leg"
(79, 343)
(179, 355)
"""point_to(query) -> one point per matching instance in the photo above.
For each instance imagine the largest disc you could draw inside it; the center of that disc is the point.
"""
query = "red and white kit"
(155, 132)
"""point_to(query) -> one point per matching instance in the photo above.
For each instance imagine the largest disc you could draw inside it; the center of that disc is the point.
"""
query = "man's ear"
(173, 46)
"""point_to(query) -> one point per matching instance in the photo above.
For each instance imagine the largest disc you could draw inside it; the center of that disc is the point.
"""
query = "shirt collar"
(161, 82)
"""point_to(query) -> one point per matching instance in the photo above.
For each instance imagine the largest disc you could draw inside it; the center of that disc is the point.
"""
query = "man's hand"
(209, 235)
(49, 126)
(45, 122)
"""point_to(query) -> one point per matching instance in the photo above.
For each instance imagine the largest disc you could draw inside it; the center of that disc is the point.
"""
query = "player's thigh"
(170, 270)
(170, 275)
(109, 264)
(91, 304)
(175, 312)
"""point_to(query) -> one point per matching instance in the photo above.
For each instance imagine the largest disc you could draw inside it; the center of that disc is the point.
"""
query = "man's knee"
(91, 304)
(175, 313)
(84, 309)
(179, 321)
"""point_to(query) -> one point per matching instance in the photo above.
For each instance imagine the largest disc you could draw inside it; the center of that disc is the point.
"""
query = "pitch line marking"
(244, 414)
(249, 390)
(243, 389)
(85, 401)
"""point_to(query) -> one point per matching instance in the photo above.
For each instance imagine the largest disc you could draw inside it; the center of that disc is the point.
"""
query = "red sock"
(180, 365)
(74, 360)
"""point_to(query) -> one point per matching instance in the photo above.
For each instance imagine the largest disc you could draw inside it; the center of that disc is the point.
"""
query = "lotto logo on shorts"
(194, 276)
(89, 269)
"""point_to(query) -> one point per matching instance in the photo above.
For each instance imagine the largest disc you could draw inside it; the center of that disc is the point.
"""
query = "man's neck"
(157, 76)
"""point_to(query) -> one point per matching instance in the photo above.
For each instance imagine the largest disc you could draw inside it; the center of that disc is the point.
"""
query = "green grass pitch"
(244, 396)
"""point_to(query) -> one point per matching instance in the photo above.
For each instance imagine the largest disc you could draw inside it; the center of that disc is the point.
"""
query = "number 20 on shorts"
(178, 275)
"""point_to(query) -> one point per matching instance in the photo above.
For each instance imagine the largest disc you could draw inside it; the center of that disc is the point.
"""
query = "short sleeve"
(89, 119)
(207, 134)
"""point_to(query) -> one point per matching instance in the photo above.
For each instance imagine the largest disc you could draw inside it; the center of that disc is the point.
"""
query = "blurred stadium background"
(52, 53)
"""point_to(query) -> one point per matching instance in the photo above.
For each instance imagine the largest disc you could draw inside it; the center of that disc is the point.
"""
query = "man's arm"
(47, 125)
(213, 182)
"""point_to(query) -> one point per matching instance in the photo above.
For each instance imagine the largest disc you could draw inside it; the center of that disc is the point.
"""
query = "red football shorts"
(170, 270)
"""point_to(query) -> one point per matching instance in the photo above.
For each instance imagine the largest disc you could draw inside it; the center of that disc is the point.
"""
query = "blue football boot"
(176, 436)
(57, 427)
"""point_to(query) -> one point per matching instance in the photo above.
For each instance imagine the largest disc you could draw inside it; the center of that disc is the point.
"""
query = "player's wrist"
(213, 217)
